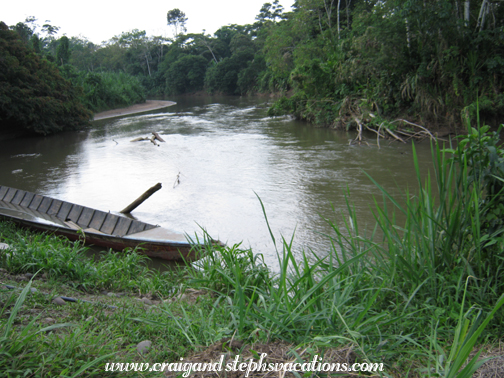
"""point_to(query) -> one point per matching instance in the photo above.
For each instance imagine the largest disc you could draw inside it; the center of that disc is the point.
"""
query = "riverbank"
(147, 106)
(78, 314)
(120, 312)
(422, 299)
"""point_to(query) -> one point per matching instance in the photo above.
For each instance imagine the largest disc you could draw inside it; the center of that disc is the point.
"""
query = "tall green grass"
(392, 298)
(62, 260)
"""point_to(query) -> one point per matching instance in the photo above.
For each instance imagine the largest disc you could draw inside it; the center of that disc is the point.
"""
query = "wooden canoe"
(94, 227)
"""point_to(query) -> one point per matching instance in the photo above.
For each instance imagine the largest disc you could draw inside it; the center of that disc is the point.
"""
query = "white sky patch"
(101, 20)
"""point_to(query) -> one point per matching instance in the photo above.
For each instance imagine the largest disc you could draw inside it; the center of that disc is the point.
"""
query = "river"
(226, 153)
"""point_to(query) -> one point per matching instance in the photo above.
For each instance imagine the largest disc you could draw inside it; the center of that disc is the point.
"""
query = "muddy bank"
(137, 108)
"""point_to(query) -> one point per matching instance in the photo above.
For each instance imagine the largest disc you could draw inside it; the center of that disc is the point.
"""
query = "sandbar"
(133, 109)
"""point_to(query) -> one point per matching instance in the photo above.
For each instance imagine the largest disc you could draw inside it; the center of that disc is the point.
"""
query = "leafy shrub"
(109, 90)
(34, 97)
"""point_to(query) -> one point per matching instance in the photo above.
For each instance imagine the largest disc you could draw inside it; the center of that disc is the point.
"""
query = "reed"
(467, 332)
(381, 295)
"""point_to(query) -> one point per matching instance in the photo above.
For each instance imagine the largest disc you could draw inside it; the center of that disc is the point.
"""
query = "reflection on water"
(226, 152)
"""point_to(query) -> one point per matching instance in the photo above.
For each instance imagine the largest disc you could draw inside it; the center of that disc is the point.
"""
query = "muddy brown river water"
(226, 152)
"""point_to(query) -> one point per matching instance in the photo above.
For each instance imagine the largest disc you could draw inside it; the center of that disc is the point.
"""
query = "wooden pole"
(132, 206)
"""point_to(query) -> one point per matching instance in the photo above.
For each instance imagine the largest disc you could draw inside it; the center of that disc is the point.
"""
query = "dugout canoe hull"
(94, 227)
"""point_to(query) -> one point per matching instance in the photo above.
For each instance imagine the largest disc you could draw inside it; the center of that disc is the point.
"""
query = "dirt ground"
(276, 352)
(282, 352)
(137, 108)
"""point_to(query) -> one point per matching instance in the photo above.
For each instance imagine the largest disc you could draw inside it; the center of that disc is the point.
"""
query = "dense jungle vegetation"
(34, 97)
(338, 63)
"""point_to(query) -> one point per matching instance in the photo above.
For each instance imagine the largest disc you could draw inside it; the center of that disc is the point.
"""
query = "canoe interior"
(101, 228)
(56, 211)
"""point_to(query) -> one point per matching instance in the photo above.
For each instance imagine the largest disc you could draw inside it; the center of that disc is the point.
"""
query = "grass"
(419, 300)
(382, 295)
(60, 260)
(42, 339)
(19, 358)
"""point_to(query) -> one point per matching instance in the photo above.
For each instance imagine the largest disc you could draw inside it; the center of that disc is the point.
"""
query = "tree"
(270, 12)
(63, 51)
(83, 54)
(186, 74)
(24, 31)
(35, 44)
(427, 59)
(34, 98)
(177, 19)
(222, 78)
(49, 29)
(206, 41)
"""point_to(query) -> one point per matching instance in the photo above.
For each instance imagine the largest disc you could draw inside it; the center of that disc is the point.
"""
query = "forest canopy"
(333, 63)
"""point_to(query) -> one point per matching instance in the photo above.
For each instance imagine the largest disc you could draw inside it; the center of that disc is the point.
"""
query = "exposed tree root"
(363, 118)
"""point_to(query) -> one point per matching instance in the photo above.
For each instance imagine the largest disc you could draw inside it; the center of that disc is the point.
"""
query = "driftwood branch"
(394, 135)
(132, 206)
(359, 129)
(378, 135)
(419, 126)
(139, 139)
(352, 110)
(155, 136)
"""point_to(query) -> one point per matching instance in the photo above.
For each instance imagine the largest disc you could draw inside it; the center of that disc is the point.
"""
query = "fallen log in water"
(132, 206)
(155, 136)
(139, 139)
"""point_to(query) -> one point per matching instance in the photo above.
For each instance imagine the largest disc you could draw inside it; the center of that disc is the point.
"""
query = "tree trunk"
(147, 60)
(338, 14)
(328, 13)
(481, 17)
(408, 38)
(467, 6)
(128, 209)
(347, 2)
(457, 14)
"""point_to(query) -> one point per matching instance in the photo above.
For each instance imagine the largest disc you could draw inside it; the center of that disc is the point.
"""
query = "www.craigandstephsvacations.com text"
(316, 365)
